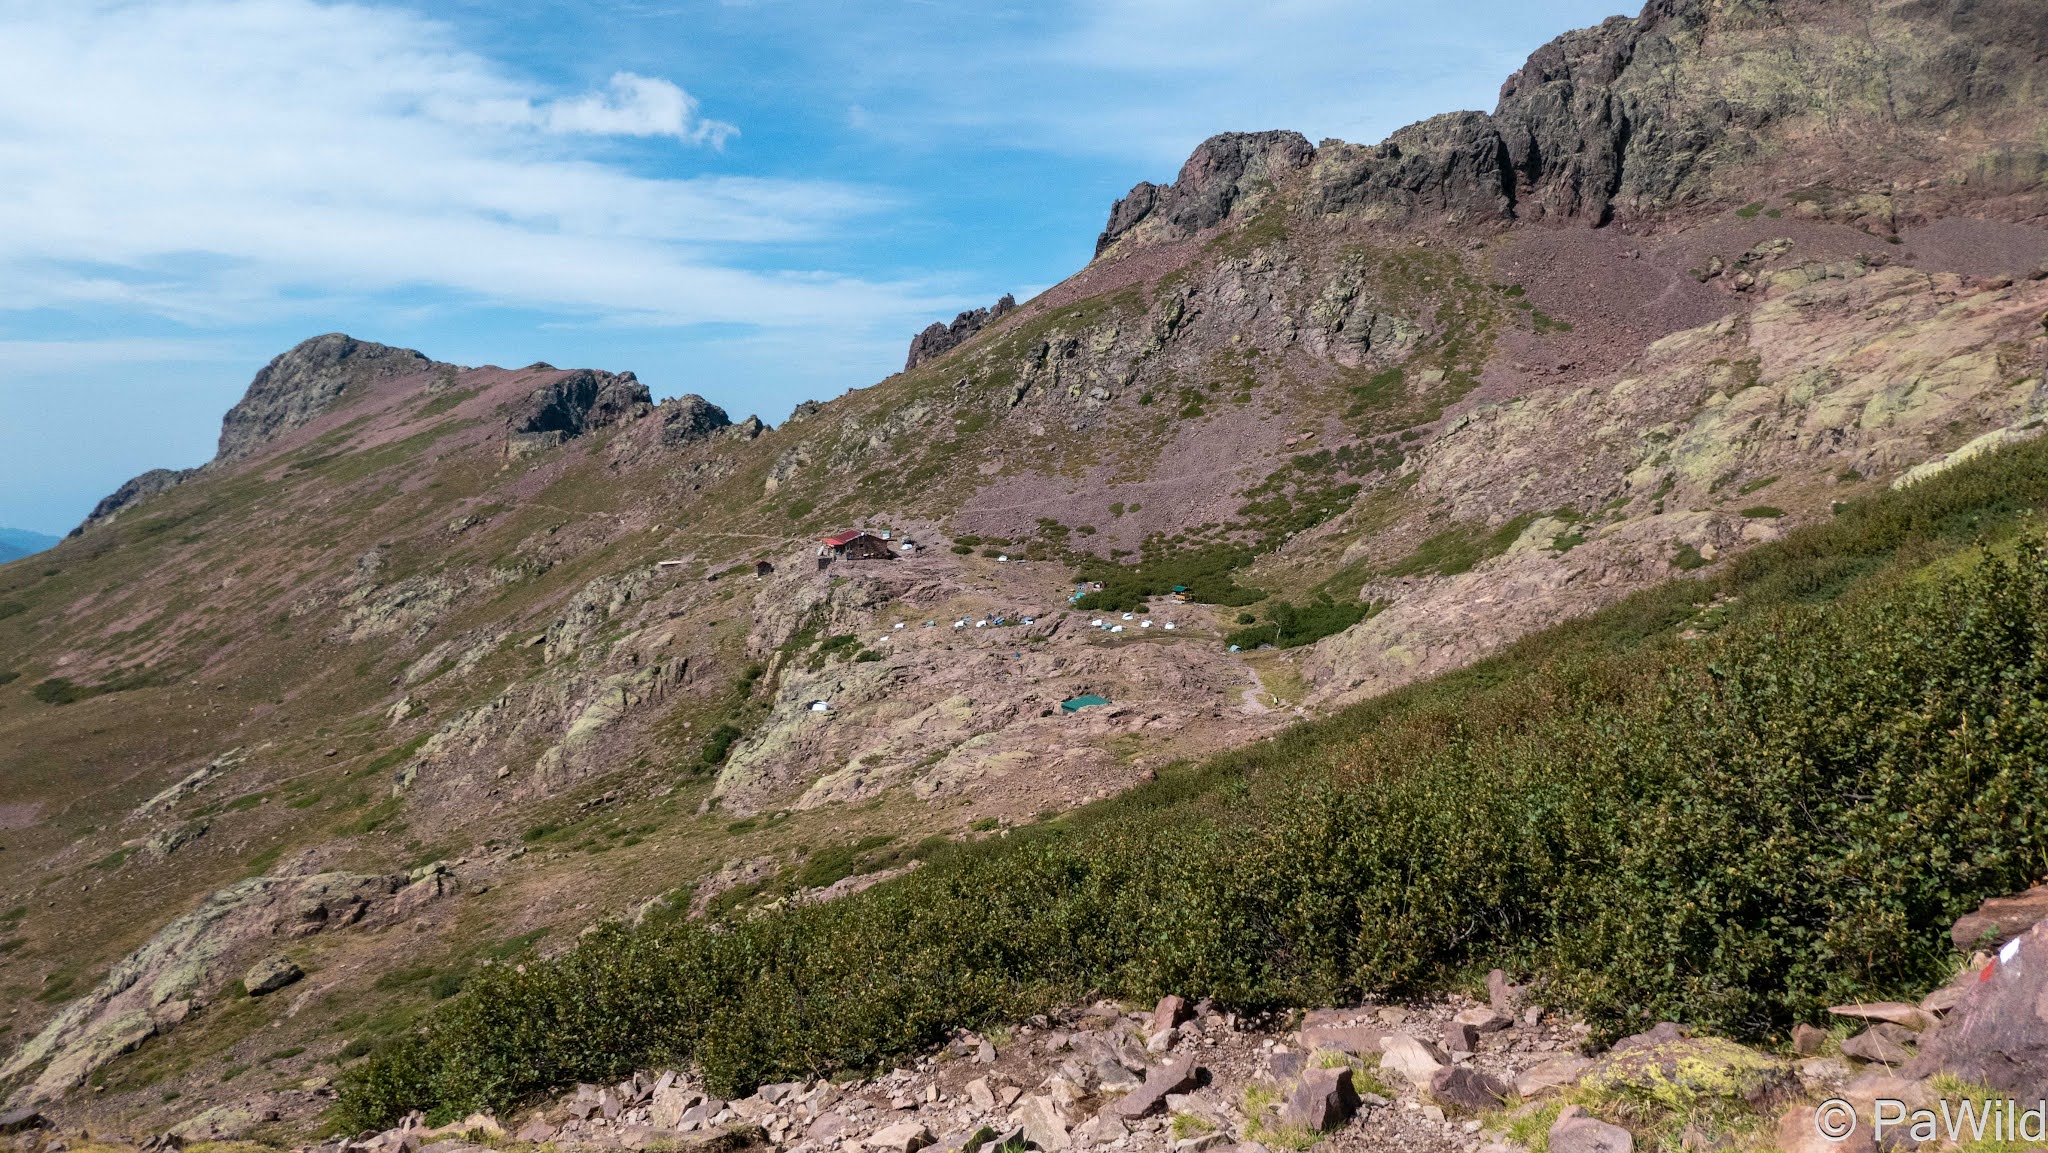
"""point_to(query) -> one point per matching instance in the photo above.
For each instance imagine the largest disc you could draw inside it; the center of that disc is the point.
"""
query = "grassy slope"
(1730, 801)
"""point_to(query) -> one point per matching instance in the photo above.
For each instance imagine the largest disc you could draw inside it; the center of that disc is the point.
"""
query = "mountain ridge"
(1391, 407)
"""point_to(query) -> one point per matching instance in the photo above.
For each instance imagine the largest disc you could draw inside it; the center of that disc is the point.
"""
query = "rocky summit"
(471, 755)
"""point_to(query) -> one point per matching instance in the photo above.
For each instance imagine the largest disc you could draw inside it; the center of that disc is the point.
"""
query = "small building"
(855, 544)
(1086, 701)
(763, 568)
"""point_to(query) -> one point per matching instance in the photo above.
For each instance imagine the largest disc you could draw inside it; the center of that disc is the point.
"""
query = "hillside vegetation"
(1729, 801)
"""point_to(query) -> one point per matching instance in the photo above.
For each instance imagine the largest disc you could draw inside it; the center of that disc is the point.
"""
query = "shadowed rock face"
(941, 338)
(579, 402)
(691, 418)
(302, 383)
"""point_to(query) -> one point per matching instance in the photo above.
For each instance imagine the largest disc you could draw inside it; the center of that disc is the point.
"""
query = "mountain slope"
(467, 658)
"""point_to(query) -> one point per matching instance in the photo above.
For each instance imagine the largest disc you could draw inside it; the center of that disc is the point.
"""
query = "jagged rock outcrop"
(1692, 102)
(304, 382)
(941, 338)
(691, 418)
(1224, 171)
(149, 484)
(576, 403)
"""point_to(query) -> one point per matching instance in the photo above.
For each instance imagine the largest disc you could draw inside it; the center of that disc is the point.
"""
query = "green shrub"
(1734, 832)
(1292, 627)
(1763, 511)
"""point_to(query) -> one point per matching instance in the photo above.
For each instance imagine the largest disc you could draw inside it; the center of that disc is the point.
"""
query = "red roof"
(841, 538)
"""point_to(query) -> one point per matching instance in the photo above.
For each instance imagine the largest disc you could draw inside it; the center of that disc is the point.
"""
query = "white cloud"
(635, 106)
(236, 160)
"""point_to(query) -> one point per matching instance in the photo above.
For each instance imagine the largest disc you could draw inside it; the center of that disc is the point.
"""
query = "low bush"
(1735, 832)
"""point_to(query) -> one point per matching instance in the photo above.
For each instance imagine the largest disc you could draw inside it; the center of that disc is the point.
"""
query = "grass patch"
(1461, 549)
(1763, 512)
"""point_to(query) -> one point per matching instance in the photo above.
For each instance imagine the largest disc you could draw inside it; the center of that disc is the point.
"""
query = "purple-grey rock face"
(1635, 118)
(942, 338)
(1221, 172)
(1997, 1035)
(579, 402)
(691, 418)
(303, 382)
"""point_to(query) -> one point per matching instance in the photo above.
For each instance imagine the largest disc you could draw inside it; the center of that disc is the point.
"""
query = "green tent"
(1079, 703)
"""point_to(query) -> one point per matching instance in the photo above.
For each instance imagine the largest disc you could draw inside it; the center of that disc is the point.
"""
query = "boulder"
(21, 1121)
(1321, 1101)
(1460, 1037)
(1170, 1012)
(1484, 1018)
(1665, 1060)
(271, 974)
(1797, 1133)
(967, 1141)
(1176, 1076)
(1997, 1035)
(902, 1137)
(1576, 1131)
(1898, 1013)
(1042, 1124)
(1881, 1045)
(1561, 1070)
(828, 1128)
(1414, 1059)
(1468, 1089)
(1100, 1129)
(536, 1131)
(1285, 1065)
(1999, 920)
(1501, 995)
(1808, 1041)
(983, 1097)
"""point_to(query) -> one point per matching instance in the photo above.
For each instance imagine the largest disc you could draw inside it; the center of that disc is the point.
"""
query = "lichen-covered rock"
(152, 988)
(1667, 1067)
(271, 974)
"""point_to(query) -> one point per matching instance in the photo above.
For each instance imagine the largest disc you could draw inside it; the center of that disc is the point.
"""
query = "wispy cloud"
(210, 160)
(635, 106)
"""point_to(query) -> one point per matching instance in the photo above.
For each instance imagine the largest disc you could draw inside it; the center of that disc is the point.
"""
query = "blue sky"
(755, 200)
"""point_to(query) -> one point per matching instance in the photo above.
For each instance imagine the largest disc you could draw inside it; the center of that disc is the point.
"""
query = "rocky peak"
(1222, 171)
(578, 402)
(690, 418)
(1636, 118)
(304, 382)
(940, 337)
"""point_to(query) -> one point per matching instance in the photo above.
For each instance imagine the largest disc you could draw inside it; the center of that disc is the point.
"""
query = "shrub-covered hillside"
(1730, 801)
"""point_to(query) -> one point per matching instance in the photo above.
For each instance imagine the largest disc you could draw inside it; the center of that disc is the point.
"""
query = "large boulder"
(1997, 1035)
(1666, 1062)
(574, 404)
(2000, 919)
(271, 974)
(1321, 1101)
(1576, 1131)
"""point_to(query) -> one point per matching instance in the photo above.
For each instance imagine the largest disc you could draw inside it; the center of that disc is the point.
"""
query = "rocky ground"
(1499, 1073)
